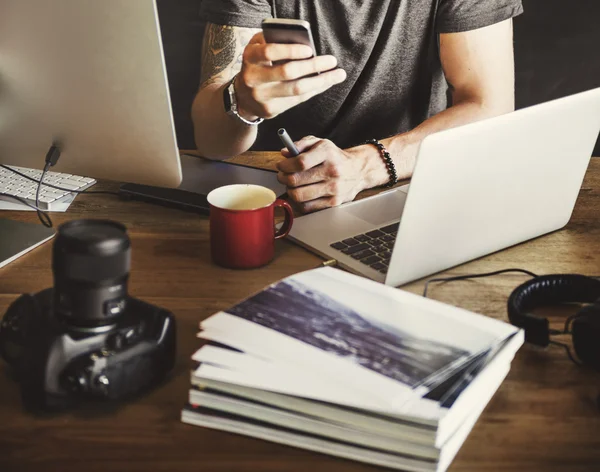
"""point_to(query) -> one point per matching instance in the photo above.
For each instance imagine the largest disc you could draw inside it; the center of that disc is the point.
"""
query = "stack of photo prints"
(335, 363)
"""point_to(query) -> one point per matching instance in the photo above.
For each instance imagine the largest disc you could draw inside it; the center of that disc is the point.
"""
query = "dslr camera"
(85, 337)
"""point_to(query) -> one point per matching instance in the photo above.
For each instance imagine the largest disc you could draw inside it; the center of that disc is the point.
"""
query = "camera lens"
(90, 263)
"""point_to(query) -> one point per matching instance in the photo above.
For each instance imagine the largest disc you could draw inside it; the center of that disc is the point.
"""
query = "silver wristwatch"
(230, 104)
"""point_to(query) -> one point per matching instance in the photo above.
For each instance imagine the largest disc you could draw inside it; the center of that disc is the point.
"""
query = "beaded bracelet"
(389, 163)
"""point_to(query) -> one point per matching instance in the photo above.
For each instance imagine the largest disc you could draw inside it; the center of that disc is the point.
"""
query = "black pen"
(287, 142)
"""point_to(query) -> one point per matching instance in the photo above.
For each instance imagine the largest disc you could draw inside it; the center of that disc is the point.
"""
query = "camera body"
(86, 338)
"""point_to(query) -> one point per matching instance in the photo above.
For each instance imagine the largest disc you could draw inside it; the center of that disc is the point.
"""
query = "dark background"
(557, 53)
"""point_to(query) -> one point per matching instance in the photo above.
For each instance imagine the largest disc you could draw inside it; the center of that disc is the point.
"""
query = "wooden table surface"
(544, 417)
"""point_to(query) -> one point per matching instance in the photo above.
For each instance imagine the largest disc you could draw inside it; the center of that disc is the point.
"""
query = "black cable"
(554, 332)
(103, 192)
(569, 353)
(47, 224)
(37, 198)
(52, 158)
(474, 276)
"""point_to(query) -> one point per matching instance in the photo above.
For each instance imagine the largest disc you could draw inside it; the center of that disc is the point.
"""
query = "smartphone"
(288, 31)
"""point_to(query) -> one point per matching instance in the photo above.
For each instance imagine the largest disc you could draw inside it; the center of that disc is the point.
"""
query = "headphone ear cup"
(586, 335)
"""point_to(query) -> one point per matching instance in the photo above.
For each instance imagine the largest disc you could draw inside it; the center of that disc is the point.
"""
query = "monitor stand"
(18, 238)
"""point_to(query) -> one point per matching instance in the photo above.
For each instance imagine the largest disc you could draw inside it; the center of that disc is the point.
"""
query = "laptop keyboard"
(373, 248)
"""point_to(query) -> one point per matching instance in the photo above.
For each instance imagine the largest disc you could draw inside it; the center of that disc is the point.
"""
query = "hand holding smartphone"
(288, 31)
(267, 85)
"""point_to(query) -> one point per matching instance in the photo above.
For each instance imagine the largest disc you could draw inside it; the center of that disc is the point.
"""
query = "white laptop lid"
(483, 187)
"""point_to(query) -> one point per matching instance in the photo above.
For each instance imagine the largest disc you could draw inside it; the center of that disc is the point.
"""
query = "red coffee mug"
(242, 226)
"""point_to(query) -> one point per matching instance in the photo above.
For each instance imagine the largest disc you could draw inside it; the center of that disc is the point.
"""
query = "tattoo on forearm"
(222, 52)
(218, 51)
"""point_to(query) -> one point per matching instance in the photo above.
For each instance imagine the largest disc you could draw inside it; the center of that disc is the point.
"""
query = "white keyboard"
(50, 198)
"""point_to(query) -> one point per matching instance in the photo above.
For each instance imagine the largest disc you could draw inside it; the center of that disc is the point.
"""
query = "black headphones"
(583, 326)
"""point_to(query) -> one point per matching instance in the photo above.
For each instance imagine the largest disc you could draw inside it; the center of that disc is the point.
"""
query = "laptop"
(476, 189)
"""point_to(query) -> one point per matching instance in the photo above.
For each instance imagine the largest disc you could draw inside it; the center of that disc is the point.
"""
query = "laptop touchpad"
(379, 209)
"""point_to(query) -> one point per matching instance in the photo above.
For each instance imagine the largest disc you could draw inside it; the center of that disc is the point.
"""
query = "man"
(385, 69)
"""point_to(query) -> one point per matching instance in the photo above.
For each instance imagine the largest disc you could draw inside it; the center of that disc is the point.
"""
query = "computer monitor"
(90, 74)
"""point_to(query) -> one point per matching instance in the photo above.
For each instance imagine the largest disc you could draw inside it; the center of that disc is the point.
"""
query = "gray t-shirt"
(389, 49)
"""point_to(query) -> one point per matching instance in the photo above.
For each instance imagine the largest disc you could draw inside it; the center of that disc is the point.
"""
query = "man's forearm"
(479, 65)
(403, 147)
(406, 145)
(218, 135)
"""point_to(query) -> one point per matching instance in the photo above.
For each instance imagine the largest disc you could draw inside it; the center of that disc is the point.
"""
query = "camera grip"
(145, 363)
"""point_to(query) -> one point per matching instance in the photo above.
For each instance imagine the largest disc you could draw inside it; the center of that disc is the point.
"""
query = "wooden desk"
(543, 418)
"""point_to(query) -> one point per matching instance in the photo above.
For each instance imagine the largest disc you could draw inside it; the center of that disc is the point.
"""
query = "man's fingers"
(285, 95)
(318, 151)
(272, 99)
(259, 53)
(311, 192)
(303, 145)
(301, 163)
(258, 38)
(311, 176)
(289, 102)
(305, 88)
(285, 153)
(306, 143)
(293, 70)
